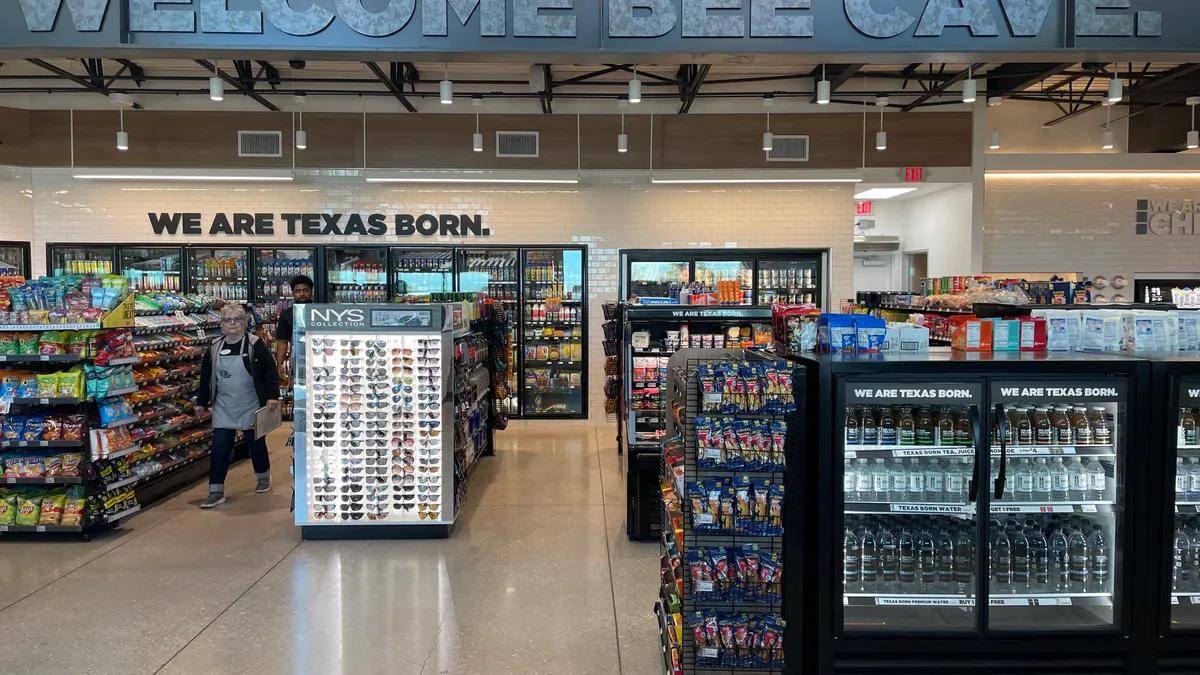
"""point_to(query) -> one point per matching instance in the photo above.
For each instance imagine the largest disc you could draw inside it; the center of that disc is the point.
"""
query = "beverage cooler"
(417, 272)
(151, 268)
(990, 504)
(554, 332)
(221, 272)
(274, 269)
(14, 259)
(356, 274)
(493, 272)
(62, 259)
(735, 276)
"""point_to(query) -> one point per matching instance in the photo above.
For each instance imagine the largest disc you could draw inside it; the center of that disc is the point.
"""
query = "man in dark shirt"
(302, 292)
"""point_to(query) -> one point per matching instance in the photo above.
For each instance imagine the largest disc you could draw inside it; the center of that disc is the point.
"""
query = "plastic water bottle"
(880, 480)
(1059, 562)
(954, 483)
(1193, 479)
(1097, 481)
(927, 558)
(916, 481)
(1183, 481)
(1077, 481)
(1039, 561)
(852, 562)
(849, 493)
(1010, 480)
(862, 481)
(945, 561)
(907, 546)
(869, 556)
(1098, 547)
(1060, 485)
(934, 482)
(898, 476)
(1041, 481)
(1078, 558)
(1022, 567)
(964, 561)
(1024, 481)
(888, 561)
(1181, 565)
(1002, 564)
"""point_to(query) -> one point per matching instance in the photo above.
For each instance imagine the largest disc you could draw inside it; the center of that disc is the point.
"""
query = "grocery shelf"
(41, 528)
(41, 444)
(1185, 598)
(35, 358)
(120, 392)
(42, 480)
(926, 310)
(67, 400)
(994, 600)
(909, 507)
(123, 514)
(1079, 507)
(1057, 450)
(123, 361)
(123, 453)
(891, 451)
(49, 326)
(121, 422)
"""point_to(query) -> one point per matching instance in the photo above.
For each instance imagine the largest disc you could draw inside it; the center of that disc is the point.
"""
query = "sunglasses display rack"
(723, 474)
(373, 389)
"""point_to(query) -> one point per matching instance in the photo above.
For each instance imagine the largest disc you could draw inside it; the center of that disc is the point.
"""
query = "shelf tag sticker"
(712, 453)
(1088, 508)
(703, 519)
(712, 398)
(5, 404)
(932, 452)
(926, 508)
(1195, 599)
(709, 653)
(3, 528)
(704, 586)
(851, 454)
(41, 528)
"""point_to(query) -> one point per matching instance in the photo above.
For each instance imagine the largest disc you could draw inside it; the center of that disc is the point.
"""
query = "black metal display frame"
(1124, 648)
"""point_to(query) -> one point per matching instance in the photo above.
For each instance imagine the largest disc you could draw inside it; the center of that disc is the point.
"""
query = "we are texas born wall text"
(319, 224)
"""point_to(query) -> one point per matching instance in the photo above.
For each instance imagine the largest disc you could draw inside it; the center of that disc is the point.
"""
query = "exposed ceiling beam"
(1135, 93)
(237, 84)
(1015, 77)
(587, 76)
(940, 89)
(138, 73)
(270, 73)
(547, 98)
(691, 78)
(837, 74)
(397, 89)
(643, 74)
(65, 74)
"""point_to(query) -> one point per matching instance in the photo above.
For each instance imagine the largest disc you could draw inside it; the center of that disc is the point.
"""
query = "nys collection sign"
(318, 224)
(593, 26)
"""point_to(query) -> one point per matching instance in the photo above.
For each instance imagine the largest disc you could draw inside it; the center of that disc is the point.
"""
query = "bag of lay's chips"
(8, 508)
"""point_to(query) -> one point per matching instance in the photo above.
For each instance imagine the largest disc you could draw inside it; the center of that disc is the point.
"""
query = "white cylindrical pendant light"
(1193, 136)
(477, 142)
(301, 139)
(447, 92)
(768, 141)
(1193, 139)
(1115, 90)
(1106, 139)
(994, 142)
(823, 92)
(122, 140)
(969, 88)
(216, 86)
(881, 135)
(622, 143)
(635, 88)
(881, 140)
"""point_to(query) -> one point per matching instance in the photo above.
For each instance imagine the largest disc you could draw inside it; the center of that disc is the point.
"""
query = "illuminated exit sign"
(914, 174)
(863, 208)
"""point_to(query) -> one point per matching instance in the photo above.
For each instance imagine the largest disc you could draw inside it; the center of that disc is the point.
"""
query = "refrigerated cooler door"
(421, 271)
(1185, 533)
(910, 526)
(221, 272)
(494, 273)
(356, 275)
(1056, 473)
(88, 260)
(657, 279)
(553, 326)
(737, 275)
(788, 281)
(274, 269)
(152, 269)
(13, 258)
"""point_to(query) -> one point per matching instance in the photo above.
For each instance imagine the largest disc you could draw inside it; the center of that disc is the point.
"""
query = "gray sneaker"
(264, 485)
(214, 499)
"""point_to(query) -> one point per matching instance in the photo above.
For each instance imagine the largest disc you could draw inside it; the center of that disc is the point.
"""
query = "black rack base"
(337, 532)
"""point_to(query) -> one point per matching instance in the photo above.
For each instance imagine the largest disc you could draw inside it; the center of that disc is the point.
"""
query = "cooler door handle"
(974, 486)
(1002, 432)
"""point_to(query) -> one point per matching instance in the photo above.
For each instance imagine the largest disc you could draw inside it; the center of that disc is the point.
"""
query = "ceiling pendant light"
(1115, 91)
(216, 86)
(969, 88)
(447, 88)
(1106, 138)
(122, 137)
(768, 138)
(1193, 136)
(622, 139)
(301, 134)
(635, 88)
(994, 142)
(823, 88)
(477, 138)
(881, 136)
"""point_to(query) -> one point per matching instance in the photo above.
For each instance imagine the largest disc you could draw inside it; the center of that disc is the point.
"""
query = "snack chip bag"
(71, 462)
(72, 428)
(52, 342)
(33, 429)
(54, 465)
(71, 383)
(13, 428)
(52, 428)
(27, 343)
(10, 384)
(28, 387)
(47, 386)
(8, 344)
(29, 509)
(52, 509)
(8, 508)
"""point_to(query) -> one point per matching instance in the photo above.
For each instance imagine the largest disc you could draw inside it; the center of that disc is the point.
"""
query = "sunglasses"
(352, 516)
(430, 515)
(326, 351)
(323, 515)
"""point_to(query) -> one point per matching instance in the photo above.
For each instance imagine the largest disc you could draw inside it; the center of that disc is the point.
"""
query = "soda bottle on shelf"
(1101, 427)
(1083, 428)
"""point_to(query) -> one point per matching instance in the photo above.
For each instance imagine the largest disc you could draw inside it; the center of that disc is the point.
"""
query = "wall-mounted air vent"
(516, 144)
(260, 144)
(788, 149)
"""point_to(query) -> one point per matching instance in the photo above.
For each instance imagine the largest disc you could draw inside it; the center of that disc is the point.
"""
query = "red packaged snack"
(72, 428)
(52, 429)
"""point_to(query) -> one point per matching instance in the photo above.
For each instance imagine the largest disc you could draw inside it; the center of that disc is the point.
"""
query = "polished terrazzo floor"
(537, 578)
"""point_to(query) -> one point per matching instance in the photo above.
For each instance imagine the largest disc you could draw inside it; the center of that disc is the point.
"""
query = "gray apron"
(236, 400)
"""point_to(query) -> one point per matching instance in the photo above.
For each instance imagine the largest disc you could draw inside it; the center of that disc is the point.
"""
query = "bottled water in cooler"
(1059, 482)
(1041, 481)
(916, 481)
(848, 491)
(934, 482)
(1096, 480)
(898, 476)
(1193, 493)
(881, 481)
(1024, 481)
(1077, 481)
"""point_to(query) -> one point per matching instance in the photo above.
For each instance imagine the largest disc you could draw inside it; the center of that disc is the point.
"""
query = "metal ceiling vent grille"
(516, 144)
(260, 144)
(788, 149)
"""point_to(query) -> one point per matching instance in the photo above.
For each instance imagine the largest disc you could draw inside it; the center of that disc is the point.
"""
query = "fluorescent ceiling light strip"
(196, 177)
(884, 193)
(1092, 174)
(663, 181)
(409, 179)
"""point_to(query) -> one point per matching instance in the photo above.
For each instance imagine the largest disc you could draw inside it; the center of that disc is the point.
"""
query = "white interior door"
(875, 272)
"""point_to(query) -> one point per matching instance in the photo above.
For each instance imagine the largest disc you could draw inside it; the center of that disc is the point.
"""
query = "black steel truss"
(394, 84)
(691, 77)
(243, 83)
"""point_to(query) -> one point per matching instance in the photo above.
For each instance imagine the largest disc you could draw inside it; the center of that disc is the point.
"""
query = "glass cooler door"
(1185, 535)
(87, 260)
(151, 269)
(658, 279)
(14, 259)
(553, 320)
(356, 275)
(731, 280)
(1056, 479)
(788, 281)
(221, 272)
(421, 271)
(274, 269)
(494, 273)
(910, 535)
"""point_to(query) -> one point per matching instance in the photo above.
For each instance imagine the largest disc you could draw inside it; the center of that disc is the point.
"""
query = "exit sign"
(914, 174)
(863, 208)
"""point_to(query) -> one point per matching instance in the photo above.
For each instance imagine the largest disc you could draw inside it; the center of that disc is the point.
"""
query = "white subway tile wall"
(607, 211)
(1084, 226)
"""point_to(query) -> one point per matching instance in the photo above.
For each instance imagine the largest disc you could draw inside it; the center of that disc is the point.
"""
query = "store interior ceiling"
(1065, 89)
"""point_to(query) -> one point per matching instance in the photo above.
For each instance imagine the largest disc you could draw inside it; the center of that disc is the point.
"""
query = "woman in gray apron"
(238, 377)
